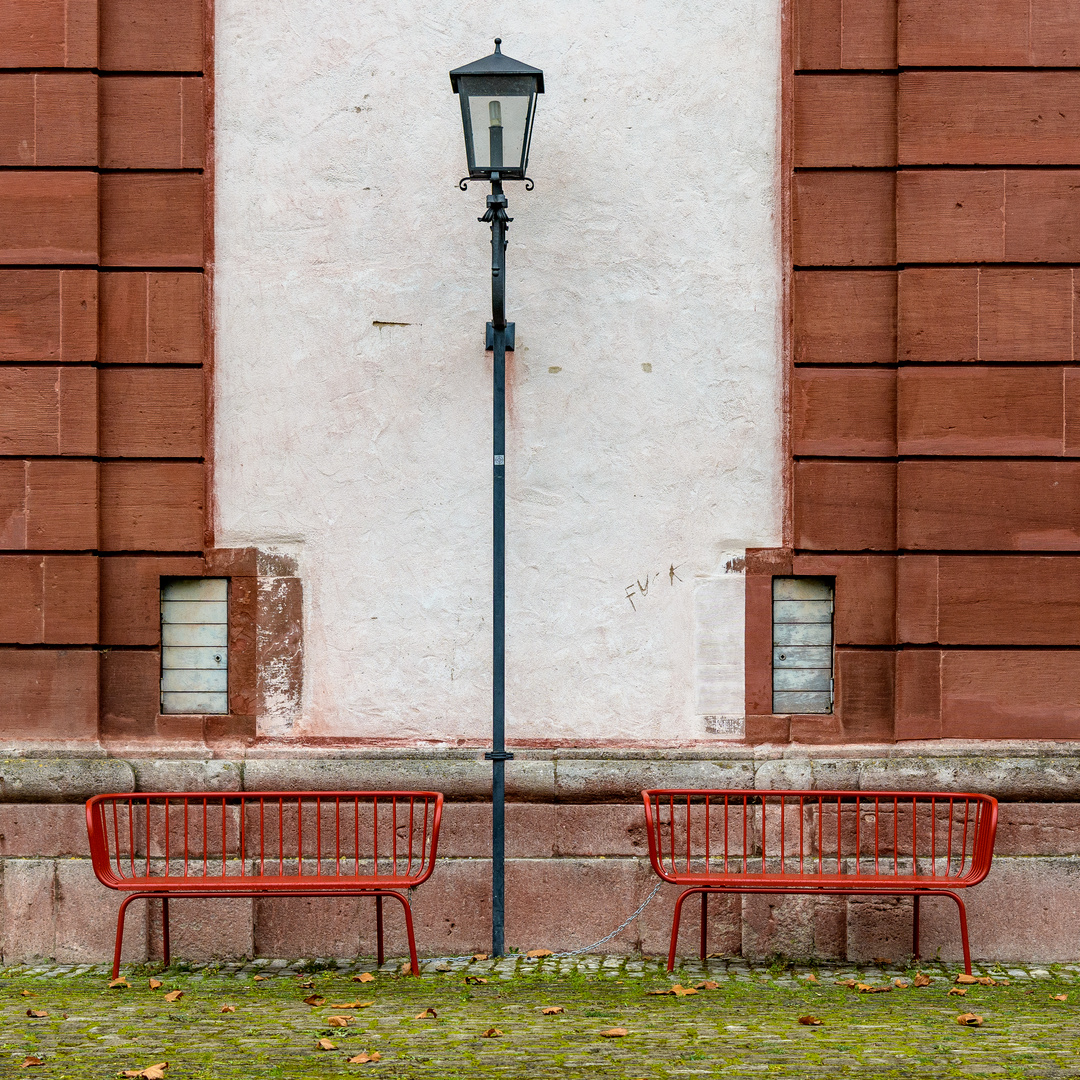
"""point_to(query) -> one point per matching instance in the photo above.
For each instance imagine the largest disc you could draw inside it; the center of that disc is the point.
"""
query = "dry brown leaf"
(228, 1008)
(29, 1062)
(120, 984)
(957, 990)
(962, 979)
(479, 955)
(338, 1021)
(327, 1044)
(314, 1000)
(351, 1004)
(1003, 982)
(306, 984)
(969, 1020)
(26, 993)
(37, 1014)
(174, 995)
(406, 968)
(262, 978)
(473, 979)
(846, 982)
(491, 1033)
(811, 977)
(151, 1072)
(553, 1010)
(156, 984)
(614, 1033)
(364, 976)
(900, 984)
(682, 991)
(810, 1021)
(921, 980)
(364, 1058)
(535, 954)
(985, 980)
(1059, 997)
(866, 988)
(428, 1014)
(660, 993)
(708, 984)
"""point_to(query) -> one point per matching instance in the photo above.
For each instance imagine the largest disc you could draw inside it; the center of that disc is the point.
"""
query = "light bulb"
(494, 113)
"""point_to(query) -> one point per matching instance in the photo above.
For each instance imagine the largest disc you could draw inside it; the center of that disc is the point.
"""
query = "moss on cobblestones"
(747, 1026)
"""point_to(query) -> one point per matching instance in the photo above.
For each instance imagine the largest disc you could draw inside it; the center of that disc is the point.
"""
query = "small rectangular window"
(802, 662)
(194, 645)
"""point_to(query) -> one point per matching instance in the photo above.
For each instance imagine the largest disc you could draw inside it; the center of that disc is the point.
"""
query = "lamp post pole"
(498, 100)
(498, 755)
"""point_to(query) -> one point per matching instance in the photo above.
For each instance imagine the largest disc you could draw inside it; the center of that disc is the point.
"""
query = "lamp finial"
(498, 42)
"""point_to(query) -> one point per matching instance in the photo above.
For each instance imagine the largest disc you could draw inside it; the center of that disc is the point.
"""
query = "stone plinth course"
(743, 1020)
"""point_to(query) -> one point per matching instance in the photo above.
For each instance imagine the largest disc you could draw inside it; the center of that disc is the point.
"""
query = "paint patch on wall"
(719, 620)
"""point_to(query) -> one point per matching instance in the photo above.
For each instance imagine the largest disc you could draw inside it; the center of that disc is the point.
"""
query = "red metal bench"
(838, 843)
(310, 843)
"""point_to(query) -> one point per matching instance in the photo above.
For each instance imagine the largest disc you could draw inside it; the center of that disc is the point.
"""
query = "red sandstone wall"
(933, 401)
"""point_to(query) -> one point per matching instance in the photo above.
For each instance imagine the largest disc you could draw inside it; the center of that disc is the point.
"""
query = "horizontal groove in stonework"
(117, 268)
(962, 553)
(105, 73)
(853, 72)
(887, 268)
(890, 459)
(110, 460)
(853, 168)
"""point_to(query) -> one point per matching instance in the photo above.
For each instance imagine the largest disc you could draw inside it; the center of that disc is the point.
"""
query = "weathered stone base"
(576, 868)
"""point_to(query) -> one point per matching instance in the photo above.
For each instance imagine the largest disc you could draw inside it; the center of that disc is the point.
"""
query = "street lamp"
(498, 103)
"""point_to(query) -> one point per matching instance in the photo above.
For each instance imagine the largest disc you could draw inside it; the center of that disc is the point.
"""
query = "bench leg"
(164, 929)
(120, 934)
(675, 927)
(704, 924)
(915, 927)
(378, 929)
(963, 932)
(414, 963)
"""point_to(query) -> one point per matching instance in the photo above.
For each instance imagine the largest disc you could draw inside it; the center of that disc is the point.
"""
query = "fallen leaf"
(921, 980)
(26, 993)
(406, 968)
(491, 1033)
(865, 988)
(120, 984)
(151, 1072)
(364, 976)
(535, 954)
(31, 1061)
(473, 979)
(314, 1000)
(1059, 997)
(228, 1008)
(338, 1021)
(36, 1013)
(810, 1021)
(352, 1004)
(156, 984)
(262, 978)
(962, 978)
(326, 1044)
(957, 990)
(1003, 982)
(846, 982)
(444, 967)
(660, 993)
(708, 984)
(480, 956)
(985, 980)
(900, 984)
(553, 1010)
(364, 1058)
(682, 991)
(307, 984)
(969, 1020)
(811, 977)
(174, 995)
(428, 1014)
(614, 1033)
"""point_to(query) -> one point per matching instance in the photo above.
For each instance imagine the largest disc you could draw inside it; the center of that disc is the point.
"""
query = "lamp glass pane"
(499, 132)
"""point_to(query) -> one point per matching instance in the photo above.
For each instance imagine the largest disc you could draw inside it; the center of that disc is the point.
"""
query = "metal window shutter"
(802, 660)
(194, 645)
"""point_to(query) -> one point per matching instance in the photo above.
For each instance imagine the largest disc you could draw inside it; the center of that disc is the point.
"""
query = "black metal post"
(498, 756)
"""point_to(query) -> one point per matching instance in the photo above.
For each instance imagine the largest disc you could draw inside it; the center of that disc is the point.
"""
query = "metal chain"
(577, 952)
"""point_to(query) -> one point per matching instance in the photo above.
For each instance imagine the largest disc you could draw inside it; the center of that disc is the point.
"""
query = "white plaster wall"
(645, 282)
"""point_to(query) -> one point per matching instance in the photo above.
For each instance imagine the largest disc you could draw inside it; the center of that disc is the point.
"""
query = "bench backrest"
(388, 836)
(870, 835)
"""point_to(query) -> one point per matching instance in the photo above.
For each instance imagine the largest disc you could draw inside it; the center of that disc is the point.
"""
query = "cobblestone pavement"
(745, 1022)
